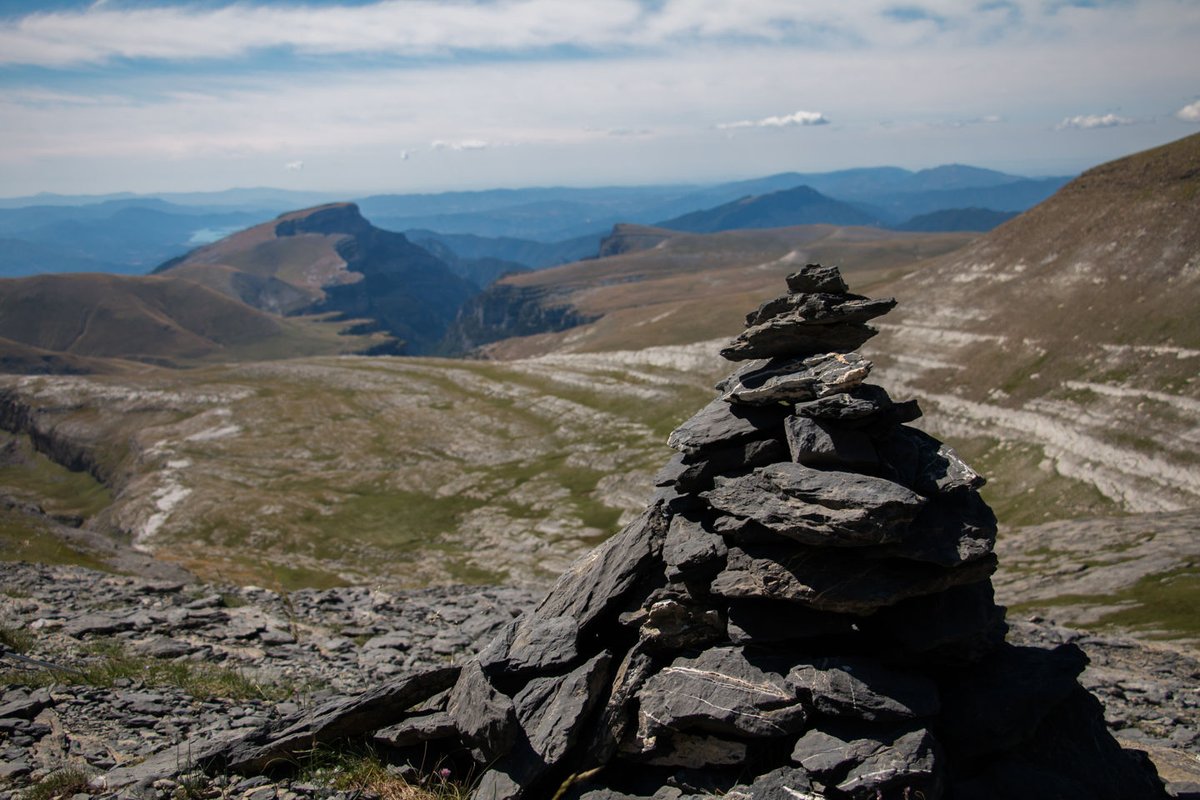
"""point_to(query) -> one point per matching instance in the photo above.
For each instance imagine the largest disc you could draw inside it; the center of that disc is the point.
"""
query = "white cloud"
(1089, 121)
(799, 118)
(294, 166)
(463, 144)
(417, 28)
(1190, 112)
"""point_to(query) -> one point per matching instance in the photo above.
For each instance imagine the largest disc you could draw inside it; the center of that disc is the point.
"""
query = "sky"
(427, 95)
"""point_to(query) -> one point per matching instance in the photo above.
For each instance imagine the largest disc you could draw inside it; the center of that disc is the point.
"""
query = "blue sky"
(420, 95)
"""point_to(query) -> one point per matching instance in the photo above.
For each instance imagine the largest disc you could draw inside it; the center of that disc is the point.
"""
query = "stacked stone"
(804, 611)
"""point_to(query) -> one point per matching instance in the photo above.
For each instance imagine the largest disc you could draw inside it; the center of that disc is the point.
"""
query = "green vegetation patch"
(60, 784)
(108, 662)
(1159, 606)
(24, 537)
(29, 476)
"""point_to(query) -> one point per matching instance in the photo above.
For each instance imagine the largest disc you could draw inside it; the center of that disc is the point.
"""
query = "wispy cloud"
(105, 32)
(462, 144)
(1089, 121)
(1190, 112)
(797, 119)
(294, 166)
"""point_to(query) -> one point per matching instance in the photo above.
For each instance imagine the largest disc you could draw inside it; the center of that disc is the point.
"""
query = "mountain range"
(535, 228)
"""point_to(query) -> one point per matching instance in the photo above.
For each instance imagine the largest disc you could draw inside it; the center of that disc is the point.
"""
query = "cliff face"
(504, 311)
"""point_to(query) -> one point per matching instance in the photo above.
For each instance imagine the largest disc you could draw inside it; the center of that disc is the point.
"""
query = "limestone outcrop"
(804, 610)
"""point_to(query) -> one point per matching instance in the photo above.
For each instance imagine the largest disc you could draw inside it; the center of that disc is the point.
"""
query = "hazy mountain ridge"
(129, 233)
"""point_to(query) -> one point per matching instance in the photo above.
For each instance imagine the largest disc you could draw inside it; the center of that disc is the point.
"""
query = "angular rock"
(791, 335)
(551, 714)
(419, 729)
(824, 509)
(25, 706)
(721, 424)
(484, 717)
(837, 581)
(864, 406)
(339, 719)
(863, 689)
(596, 584)
(689, 551)
(818, 308)
(784, 783)
(925, 465)
(794, 380)
(723, 691)
(949, 530)
(817, 278)
(695, 473)
(908, 764)
(815, 443)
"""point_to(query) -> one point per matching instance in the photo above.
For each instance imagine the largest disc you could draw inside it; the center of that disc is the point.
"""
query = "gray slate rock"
(924, 464)
(863, 689)
(791, 335)
(824, 509)
(341, 718)
(819, 308)
(784, 783)
(722, 424)
(790, 380)
(418, 729)
(909, 764)
(484, 716)
(722, 691)
(551, 714)
(690, 551)
(20, 705)
(817, 278)
(545, 637)
(840, 581)
(866, 406)
(815, 443)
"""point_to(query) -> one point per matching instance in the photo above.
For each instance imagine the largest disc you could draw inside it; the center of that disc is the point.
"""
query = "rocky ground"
(148, 667)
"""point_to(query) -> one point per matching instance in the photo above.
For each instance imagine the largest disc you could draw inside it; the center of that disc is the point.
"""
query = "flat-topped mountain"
(330, 259)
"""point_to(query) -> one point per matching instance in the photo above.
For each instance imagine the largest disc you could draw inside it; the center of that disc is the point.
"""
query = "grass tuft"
(361, 770)
(108, 662)
(61, 784)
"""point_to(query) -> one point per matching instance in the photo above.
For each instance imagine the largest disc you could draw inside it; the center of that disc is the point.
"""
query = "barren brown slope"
(694, 287)
(162, 320)
(1068, 340)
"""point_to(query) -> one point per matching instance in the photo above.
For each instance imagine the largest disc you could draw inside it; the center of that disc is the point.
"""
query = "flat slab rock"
(791, 335)
(720, 691)
(720, 423)
(830, 580)
(819, 508)
(790, 380)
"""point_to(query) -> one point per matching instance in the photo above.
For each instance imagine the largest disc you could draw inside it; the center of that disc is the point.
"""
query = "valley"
(1057, 353)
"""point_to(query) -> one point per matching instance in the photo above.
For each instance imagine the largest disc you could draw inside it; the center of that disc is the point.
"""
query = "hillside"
(66, 322)
(330, 259)
(1067, 340)
(668, 287)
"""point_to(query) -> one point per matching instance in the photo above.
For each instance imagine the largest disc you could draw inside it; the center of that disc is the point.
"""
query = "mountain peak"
(331, 218)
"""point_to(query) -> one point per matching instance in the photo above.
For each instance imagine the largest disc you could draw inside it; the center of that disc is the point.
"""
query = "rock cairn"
(803, 611)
